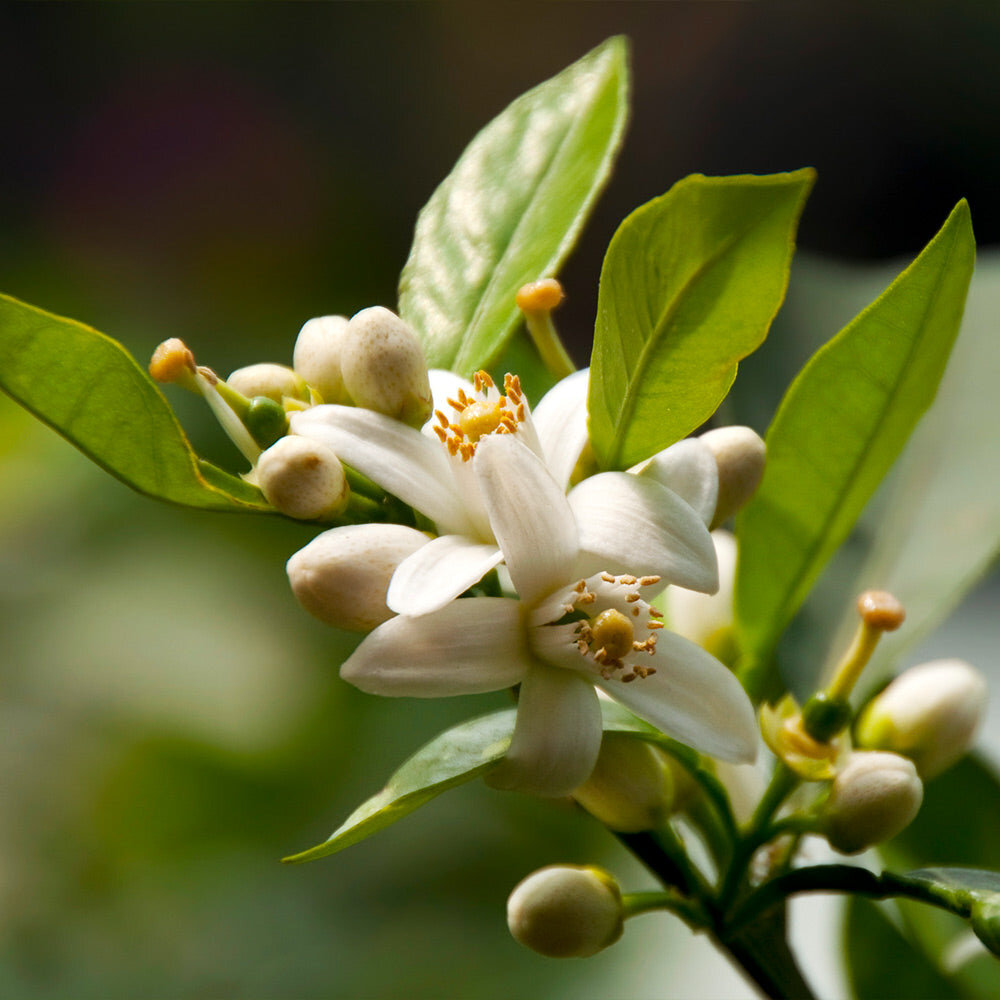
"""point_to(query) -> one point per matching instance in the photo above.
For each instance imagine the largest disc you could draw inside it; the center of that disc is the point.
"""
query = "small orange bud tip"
(540, 296)
(880, 610)
(171, 361)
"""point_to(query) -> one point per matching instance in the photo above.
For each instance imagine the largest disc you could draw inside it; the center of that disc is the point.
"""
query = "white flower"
(433, 471)
(569, 632)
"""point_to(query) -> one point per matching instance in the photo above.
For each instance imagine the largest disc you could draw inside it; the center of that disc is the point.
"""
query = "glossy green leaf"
(689, 286)
(839, 429)
(90, 389)
(459, 755)
(936, 527)
(512, 208)
(454, 757)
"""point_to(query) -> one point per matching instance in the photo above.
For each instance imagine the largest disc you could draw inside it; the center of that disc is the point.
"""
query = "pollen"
(486, 412)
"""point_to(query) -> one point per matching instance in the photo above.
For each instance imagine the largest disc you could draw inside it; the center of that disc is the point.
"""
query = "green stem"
(635, 903)
(550, 347)
(783, 781)
(762, 954)
(838, 878)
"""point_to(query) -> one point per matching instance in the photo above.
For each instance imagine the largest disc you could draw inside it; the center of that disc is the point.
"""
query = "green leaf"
(883, 963)
(468, 751)
(90, 389)
(453, 758)
(838, 430)
(936, 524)
(512, 208)
(690, 285)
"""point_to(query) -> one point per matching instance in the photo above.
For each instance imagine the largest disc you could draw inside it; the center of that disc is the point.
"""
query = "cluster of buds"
(919, 725)
(373, 360)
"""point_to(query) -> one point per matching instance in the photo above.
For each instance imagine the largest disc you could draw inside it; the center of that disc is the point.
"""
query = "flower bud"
(566, 911)
(928, 713)
(740, 453)
(274, 381)
(631, 786)
(873, 798)
(383, 366)
(341, 576)
(317, 356)
(303, 478)
(707, 619)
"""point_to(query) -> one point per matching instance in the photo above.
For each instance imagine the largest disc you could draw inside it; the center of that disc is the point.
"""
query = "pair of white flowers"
(492, 476)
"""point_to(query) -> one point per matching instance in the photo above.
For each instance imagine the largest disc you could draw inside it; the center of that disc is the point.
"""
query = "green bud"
(266, 420)
(383, 367)
(928, 713)
(274, 381)
(303, 478)
(631, 787)
(566, 911)
(317, 356)
(824, 716)
(874, 797)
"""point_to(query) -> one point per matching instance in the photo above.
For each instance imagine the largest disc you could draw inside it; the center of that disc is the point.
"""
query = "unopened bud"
(271, 380)
(383, 367)
(317, 356)
(631, 787)
(303, 478)
(341, 576)
(173, 361)
(740, 454)
(928, 713)
(873, 798)
(707, 619)
(566, 911)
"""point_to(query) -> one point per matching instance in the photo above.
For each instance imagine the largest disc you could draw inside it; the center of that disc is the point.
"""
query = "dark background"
(171, 721)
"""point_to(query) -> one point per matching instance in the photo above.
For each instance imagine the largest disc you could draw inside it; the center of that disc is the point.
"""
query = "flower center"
(612, 632)
(624, 628)
(488, 411)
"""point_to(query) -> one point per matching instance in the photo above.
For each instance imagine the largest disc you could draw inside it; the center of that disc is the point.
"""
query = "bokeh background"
(171, 723)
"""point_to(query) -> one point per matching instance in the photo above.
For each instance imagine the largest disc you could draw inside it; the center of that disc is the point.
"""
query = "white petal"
(438, 572)
(560, 421)
(400, 459)
(557, 735)
(468, 647)
(692, 697)
(529, 514)
(445, 386)
(689, 469)
(629, 524)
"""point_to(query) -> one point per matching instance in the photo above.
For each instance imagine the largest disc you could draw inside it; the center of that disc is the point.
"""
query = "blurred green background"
(172, 723)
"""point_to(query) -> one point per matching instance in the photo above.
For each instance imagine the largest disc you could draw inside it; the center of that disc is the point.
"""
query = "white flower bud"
(566, 911)
(740, 454)
(274, 381)
(928, 713)
(317, 356)
(631, 787)
(873, 798)
(383, 366)
(303, 478)
(707, 619)
(341, 576)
